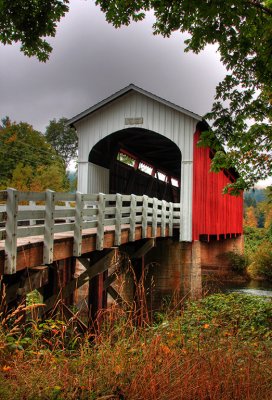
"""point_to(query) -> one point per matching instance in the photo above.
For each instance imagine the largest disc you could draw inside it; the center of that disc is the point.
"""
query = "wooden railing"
(25, 214)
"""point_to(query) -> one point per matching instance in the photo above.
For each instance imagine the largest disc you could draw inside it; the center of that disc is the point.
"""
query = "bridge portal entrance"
(139, 161)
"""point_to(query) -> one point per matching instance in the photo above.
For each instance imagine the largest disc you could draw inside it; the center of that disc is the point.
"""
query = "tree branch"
(257, 4)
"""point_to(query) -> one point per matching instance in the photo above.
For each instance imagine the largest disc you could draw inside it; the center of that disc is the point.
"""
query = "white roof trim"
(124, 91)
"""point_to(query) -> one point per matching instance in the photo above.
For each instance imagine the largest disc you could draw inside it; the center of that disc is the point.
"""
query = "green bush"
(254, 237)
(238, 261)
(243, 316)
(261, 265)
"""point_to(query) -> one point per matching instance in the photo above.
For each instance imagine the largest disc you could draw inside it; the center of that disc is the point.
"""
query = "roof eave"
(124, 91)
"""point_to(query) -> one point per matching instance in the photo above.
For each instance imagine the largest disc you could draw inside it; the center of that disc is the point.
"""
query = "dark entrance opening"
(140, 162)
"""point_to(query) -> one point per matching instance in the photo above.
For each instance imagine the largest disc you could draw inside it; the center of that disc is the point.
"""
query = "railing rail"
(25, 214)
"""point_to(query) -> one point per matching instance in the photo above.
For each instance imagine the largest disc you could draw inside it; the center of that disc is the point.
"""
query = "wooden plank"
(109, 221)
(65, 213)
(98, 267)
(11, 231)
(126, 197)
(49, 227)
(110, 279)
(110, 197)
(90, 212)
(28, 231)
(144, 216)
(90, 197)
(116, 297)
(109, 210)
(66, 291)
(63, 196)
(139, 198)
(32, 196)
(83, 328)
(125, 220)
(154, 216)
(170, 219)
(35, 280)
(100, 222)
(125, 210)
(132, 217)
(89, 224)
(64, 227)
(163, 218)
(78, 225)
(24, 215)
(118, 215)
(145, 248)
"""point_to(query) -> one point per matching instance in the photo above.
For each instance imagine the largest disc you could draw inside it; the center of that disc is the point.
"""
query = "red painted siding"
(213, 212)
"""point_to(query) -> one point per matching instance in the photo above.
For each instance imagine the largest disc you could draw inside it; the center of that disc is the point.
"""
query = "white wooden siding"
(99, 179)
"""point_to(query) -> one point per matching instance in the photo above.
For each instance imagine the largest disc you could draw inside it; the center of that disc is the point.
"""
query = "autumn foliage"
(27, 161)
(217, 348)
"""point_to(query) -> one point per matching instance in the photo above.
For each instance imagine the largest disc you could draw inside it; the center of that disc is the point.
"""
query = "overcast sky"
(91, 60)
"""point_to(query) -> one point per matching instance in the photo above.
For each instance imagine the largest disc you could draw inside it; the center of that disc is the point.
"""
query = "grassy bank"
(218, 348)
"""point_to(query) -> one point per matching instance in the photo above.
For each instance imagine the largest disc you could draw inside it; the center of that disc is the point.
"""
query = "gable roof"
(124, 91)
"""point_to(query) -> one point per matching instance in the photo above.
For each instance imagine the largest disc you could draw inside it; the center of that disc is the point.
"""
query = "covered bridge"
(145, 190)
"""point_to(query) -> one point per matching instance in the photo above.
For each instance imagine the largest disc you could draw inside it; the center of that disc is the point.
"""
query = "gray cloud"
(91, 60)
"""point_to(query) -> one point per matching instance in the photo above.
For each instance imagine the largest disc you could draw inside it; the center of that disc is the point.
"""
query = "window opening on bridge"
(134, 162)
(126, 159)
(161, 176)
(145, 168)
(174, 182)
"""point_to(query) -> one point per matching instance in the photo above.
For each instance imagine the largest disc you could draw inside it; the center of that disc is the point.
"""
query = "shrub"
(238, 261)
(261, 265)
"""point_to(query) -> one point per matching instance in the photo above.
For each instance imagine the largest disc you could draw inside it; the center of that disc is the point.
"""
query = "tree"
(25, 178)
(250, 218)
(242, 29)
(29, 22)
(26, 157)
(63, 139)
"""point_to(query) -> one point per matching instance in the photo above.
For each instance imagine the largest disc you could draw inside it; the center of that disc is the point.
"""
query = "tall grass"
(215, 349)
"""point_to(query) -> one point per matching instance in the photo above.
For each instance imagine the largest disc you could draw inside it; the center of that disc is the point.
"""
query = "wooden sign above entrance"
(134, 121)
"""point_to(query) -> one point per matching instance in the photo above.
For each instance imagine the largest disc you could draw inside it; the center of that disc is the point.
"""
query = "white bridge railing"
(30, 214)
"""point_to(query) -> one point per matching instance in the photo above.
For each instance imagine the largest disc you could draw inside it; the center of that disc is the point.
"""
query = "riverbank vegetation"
(216, 348)
(258, 234)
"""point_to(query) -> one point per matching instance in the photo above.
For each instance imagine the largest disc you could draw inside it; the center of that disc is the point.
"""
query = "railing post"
(118, 219)
(32, 204)
(144, 217)
(78, 225)
(171, 216)
(49, 227)
(100, 222)
(11, 231)
(132, 218)
(180, 222)
(163, 218)
(154, 217)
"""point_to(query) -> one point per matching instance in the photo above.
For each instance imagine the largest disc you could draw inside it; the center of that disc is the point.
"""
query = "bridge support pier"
(174, 271)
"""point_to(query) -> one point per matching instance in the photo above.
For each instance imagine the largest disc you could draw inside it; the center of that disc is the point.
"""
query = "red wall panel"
(214, 213)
